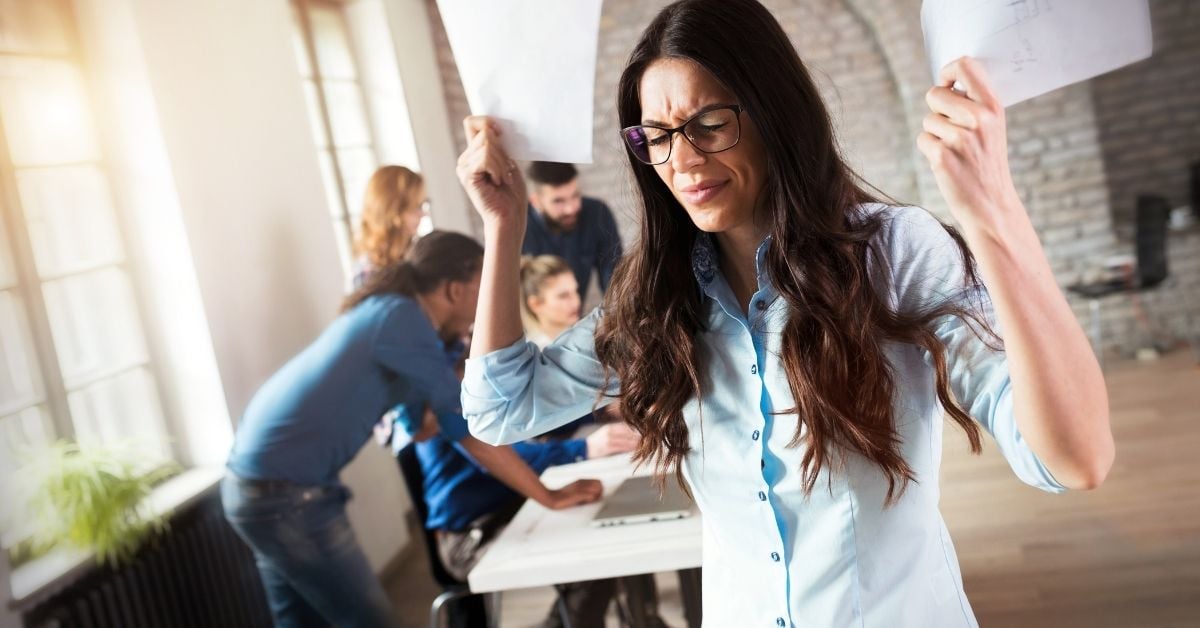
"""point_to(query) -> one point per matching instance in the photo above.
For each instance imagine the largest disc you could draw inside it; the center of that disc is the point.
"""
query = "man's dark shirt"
(593, 243)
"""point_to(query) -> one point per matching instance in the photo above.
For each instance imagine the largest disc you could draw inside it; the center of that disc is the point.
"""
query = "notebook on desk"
(637, 500)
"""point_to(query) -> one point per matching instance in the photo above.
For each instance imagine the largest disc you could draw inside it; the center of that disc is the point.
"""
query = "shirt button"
(775, 556)
(761, 305)
(754, 435)
(754, 369)
(762, 497)
(779, 621)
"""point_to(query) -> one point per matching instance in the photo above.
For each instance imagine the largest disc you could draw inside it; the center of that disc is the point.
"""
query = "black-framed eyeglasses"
(710, 131)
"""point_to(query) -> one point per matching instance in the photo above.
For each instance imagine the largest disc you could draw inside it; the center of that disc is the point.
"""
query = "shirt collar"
(704, 261)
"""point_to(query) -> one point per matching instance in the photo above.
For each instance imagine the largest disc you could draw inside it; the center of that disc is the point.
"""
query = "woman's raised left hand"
(965, 141)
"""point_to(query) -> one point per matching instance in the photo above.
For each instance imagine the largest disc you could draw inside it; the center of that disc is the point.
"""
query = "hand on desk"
(612, 438)
(514, 472)
(574, 494)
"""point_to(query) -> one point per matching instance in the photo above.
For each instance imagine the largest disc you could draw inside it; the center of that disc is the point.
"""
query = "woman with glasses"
(393, 207)
(786, 342)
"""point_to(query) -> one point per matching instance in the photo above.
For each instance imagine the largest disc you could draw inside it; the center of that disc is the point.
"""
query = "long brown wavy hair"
(383, 235)
(819, 261)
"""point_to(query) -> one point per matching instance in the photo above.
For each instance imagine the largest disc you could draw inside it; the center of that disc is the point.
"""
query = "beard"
(559, 225)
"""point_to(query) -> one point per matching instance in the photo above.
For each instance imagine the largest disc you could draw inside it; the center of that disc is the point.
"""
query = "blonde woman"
(393, 207)
(549, 297)
(550, 305)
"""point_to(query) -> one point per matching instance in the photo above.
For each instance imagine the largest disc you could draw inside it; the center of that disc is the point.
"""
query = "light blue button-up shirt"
(774, 556)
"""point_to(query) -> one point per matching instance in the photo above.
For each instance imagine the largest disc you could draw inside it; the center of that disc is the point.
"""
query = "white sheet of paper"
(1030, 47)
(531, 64)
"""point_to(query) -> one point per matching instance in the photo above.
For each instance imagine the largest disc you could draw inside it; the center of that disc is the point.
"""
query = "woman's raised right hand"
(492, 180)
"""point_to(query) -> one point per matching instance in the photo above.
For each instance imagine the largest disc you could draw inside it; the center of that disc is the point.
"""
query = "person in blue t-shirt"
(577, 228)
(388, 349)
(468, 508)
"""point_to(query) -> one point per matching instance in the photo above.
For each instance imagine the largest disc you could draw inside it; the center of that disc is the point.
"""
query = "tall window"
(74, 361)
(338, 111)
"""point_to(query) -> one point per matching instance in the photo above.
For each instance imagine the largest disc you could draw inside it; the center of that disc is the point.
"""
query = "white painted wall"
(220, 79)
(157, 244)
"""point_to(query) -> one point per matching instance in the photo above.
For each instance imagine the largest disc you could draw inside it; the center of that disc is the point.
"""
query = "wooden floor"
(1124, 556)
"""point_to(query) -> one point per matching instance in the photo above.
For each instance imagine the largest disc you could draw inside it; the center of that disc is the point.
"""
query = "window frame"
(30, 285)
(344, 216)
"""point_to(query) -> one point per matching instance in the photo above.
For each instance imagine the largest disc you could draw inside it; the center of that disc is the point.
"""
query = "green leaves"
(94, 497)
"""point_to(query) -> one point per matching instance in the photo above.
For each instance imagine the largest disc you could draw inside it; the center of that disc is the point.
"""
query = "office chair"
(470, 606)
(1150, 270)
(472, 609)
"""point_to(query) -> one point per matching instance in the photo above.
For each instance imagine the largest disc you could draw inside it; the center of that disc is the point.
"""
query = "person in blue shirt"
(786, 343)
(468, 508)
(392, 347)
(577, 228)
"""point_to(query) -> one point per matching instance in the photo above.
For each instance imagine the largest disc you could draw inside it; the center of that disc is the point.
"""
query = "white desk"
(542, 547)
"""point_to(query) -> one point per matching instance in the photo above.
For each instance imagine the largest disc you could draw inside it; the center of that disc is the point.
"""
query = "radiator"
(197, 574)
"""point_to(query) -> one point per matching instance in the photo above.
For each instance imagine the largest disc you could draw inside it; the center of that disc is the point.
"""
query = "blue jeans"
(313, 570)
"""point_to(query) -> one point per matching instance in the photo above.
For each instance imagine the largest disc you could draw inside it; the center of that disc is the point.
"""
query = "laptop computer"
(637, 500)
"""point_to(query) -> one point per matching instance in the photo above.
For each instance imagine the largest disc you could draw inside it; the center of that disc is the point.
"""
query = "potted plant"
(93, 497)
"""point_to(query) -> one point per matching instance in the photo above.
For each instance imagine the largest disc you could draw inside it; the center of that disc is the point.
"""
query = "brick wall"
(1066, 147)
(1148, 116)
(1149, 113)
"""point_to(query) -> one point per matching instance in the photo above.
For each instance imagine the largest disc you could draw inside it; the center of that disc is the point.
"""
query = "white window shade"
(358, 164)
(70, 219)
(335, 60)
(20, 386)
(347, 114)
(21, 434)
(122, 411)
(8, 269)
(314, 114)
(46, 120)
(95, 325)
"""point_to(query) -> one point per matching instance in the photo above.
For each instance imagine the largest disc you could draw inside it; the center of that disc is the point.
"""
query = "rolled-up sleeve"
(980, 380)
(519, 391)
(927, 268)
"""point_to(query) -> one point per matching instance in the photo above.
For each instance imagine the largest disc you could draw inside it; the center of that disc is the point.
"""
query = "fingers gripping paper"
(531, 65)
(1030, 47)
